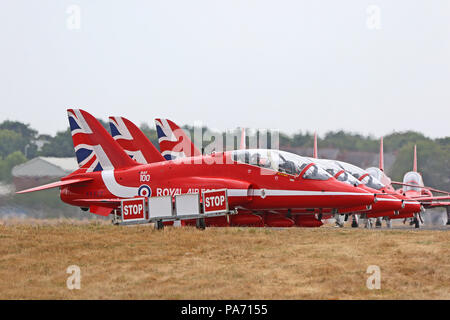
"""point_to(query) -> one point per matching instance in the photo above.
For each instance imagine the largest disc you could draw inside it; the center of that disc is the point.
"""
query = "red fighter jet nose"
(386, 203)
(354, 196)
(411, 206)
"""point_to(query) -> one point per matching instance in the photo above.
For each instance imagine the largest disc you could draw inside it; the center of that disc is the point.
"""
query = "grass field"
(220, 263)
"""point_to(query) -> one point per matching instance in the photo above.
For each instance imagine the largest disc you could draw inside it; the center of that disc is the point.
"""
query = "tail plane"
(173, 141)
(95, 149)
(134, 141)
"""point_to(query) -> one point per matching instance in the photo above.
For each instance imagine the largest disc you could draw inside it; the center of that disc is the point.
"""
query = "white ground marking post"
(73, 281)
(374, 280)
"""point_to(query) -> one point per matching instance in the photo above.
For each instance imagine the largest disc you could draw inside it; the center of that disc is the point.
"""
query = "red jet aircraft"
(413, 188)
(174, 143)
(385, 202)
(108, 175)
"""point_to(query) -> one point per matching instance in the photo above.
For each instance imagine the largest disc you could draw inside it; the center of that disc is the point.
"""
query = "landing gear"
(388, 222)
(355, 222)
(378, 223)
(369, 223)
(448, 216)
(159, 225)
(339, 223)
(200, 224)
(416, 223)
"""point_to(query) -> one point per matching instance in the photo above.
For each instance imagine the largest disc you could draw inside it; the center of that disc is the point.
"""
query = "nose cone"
(350, 196)
(410, 205)
(386, 203)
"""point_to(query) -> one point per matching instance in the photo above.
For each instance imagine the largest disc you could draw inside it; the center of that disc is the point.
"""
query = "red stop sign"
(215, 201)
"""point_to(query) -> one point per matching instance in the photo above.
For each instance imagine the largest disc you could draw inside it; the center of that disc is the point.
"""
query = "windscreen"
(357, 172)
(413, 178)
(280, 161)
(333, 169)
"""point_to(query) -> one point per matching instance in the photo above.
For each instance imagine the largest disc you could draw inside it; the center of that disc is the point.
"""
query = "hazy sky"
(291, 65)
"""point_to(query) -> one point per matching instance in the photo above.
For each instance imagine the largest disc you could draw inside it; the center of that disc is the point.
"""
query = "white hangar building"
(42, 170)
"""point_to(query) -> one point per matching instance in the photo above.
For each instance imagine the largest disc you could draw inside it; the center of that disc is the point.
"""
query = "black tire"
(159, 225)
(200, 224)
(378, 224)
(416, 223)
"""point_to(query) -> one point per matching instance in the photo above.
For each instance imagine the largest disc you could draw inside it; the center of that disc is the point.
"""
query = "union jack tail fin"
(134, 141)
(95, 149)
(173, 141)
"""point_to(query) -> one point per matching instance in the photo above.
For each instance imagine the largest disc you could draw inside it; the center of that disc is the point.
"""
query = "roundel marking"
(263, 193)
(144, 191)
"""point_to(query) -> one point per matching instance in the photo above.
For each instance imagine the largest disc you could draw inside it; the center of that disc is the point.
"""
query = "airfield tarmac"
(139, 262)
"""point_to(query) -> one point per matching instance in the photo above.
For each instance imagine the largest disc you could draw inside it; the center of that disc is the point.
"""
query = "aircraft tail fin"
(242, 145)
(173, 141)
(381, 164)
(315, 155)
(95, 149)
(415, 159)
(134, 141)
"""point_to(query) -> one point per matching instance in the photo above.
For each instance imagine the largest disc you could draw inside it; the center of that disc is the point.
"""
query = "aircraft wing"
(416, 186)
(427, 199)
(56, 184)
(437, 204)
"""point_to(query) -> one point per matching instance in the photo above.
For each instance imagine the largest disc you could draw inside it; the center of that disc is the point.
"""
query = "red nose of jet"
(350, 196)
(384, 202)
(409, 205)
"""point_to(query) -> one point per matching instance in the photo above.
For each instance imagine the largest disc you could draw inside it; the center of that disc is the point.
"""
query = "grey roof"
(45, 166)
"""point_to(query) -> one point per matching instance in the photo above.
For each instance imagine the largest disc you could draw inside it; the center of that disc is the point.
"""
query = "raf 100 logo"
(144, 176)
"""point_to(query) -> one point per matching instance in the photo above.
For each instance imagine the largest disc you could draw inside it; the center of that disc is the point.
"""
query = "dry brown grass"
(219, 263)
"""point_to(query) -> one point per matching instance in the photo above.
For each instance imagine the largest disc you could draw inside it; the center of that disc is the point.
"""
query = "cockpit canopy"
(333, 169)
(280, 161)
(414, 178)
(379, 175)
(357, 172)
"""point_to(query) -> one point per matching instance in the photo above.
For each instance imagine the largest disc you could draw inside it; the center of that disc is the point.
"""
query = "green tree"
(8, 163)
(395, 141)
(433, 162)
(11, 141)
(23, 129)
(59, 146)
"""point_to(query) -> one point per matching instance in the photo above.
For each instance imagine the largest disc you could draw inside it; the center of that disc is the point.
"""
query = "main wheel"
(354, 222)
(200, 224)
(159, 225)
(416, 223)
